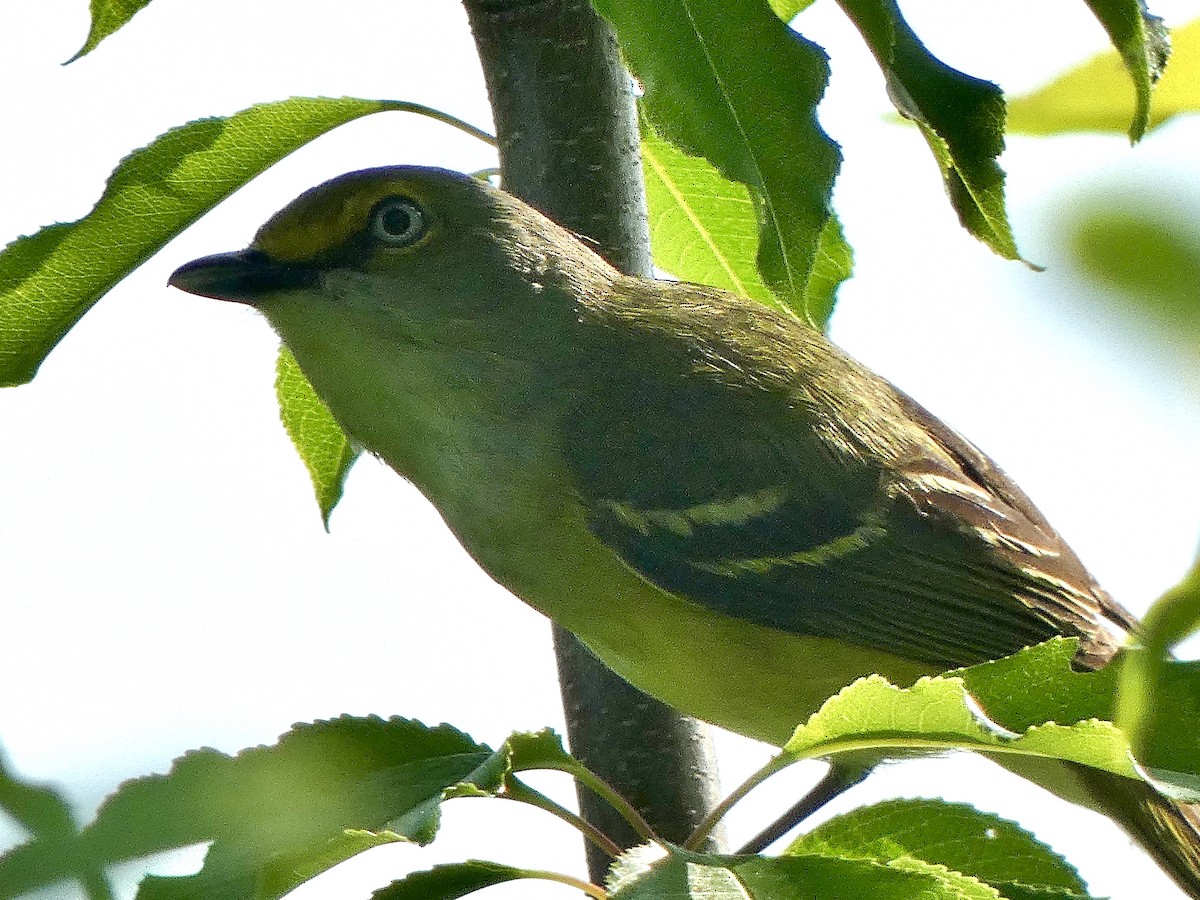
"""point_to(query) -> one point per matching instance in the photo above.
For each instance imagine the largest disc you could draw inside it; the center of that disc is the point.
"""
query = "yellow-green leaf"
(1098, 95)
(107, 17)
(323, 446)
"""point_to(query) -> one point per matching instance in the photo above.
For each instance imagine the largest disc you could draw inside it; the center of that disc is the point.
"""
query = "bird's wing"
(722, 493)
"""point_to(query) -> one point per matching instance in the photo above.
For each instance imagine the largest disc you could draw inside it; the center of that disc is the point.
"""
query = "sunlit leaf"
(323, 446)
(1141, 40)
(50, 279)
(1098, 95)
(731, 83)
(108, 16)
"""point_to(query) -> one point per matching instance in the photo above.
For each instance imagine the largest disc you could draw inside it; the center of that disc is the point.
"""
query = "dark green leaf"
(449, 882)
(274, 809)
(50, 279)
(44, 813)
(729, 82)
(323, 446)
(961, 117)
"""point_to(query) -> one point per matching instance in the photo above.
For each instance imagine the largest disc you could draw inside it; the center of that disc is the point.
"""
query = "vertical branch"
(569, 146)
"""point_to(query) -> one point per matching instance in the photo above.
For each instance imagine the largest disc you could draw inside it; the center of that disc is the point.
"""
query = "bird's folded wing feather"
(728, 493)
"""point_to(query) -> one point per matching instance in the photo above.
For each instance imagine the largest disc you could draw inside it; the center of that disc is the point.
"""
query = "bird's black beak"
(244, 277)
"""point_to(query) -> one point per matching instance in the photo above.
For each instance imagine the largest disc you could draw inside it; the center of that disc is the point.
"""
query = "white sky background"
(165, 577)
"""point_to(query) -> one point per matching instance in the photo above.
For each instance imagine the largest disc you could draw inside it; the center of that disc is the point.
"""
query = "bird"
(731, 512)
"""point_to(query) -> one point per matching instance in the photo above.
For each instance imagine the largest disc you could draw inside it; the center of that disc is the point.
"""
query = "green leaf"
(789, 9)
(1141, 40)
(287, 874)
(50, 279)
(1098, 96)
(939, 714)
(1145, 253)
(451, 881)
(107, 17)
(961, 117)
(645, 874)
(729, 82)
(703, 229)
(268, 810)
(702, 226)
(323, 446)
(1153, 697)
(44, 813)
(957, 836)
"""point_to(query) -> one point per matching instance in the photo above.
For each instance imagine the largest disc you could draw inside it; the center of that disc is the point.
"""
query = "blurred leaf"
(1097, 96)
(50, 279)
(961, 117)
(1147, 255)
(44, 813)
(1141, 40)
(731, 83)
(323, 446)
(960, 837)
(107, 17)
(269, 810)
(1152, 695)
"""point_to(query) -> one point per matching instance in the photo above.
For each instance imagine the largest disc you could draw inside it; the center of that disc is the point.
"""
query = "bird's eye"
(398, 222)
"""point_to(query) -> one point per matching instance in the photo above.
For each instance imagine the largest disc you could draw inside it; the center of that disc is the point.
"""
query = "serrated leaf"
(712, 69)
(938, 713)
(648, 874)
(50, 279)
(1098, 96)
(960, 837)
(324, 448)
(108, 16)
(1141, 40)
(961, 117)
(288, 804)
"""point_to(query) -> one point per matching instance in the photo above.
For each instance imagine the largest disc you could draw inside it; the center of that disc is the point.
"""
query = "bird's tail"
(1168, 831)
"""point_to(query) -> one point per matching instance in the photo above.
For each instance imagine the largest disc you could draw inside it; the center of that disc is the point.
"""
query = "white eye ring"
(398, 222)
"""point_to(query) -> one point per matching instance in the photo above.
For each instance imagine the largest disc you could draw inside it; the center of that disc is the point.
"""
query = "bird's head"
(419, 302)
(419, 256)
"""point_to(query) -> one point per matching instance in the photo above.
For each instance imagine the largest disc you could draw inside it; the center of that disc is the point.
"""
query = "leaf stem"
(517, 790)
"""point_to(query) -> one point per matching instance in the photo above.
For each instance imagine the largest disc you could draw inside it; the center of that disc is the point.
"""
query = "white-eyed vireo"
(736, 516)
